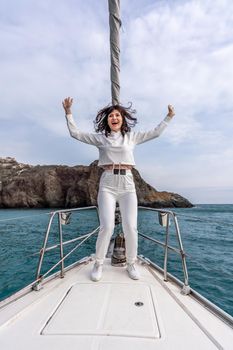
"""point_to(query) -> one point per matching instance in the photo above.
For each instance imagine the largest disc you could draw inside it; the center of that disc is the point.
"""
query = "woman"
(115, 142)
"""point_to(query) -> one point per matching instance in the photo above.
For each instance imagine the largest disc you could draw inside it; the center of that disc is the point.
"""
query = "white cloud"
(181, 54)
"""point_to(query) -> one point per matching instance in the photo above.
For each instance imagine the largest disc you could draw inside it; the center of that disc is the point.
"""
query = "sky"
(176, 52)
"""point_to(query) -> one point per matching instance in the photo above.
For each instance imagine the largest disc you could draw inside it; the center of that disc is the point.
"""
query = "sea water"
(206, 230)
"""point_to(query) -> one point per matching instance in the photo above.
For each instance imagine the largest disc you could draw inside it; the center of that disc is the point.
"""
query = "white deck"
(75, 313)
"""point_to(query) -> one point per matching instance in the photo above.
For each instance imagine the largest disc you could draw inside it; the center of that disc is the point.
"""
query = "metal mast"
(115, 24)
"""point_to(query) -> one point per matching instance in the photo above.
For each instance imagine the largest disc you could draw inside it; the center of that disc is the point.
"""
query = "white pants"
(121, 189)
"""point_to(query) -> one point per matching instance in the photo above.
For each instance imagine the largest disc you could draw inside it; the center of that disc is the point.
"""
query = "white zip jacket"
(115, 149)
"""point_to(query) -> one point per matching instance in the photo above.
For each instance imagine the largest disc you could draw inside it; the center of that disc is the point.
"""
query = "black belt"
(121, 171)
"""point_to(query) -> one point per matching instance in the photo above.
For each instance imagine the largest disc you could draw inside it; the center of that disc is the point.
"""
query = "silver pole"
(166, 249)
(61, 245)
(186, 282)
(42, 252)
(115, 24)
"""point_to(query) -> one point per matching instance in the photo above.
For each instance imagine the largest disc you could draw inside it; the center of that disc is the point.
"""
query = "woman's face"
(115, 120)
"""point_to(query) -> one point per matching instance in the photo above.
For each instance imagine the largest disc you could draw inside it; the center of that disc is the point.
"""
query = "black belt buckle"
(122, 171)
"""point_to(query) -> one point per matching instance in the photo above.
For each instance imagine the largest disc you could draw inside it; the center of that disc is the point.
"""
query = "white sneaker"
(96, 273)
(133, 273)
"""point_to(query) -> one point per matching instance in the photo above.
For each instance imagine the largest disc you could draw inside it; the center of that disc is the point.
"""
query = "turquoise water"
(207, 234)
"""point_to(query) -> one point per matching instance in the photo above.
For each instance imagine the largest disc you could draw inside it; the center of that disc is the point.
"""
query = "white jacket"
(115, 149)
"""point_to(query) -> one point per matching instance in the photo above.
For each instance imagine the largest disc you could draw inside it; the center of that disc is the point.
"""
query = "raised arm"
(140, 137)
(91, 139)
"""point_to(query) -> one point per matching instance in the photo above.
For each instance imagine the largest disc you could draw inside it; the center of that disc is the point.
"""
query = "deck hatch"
(105, 309)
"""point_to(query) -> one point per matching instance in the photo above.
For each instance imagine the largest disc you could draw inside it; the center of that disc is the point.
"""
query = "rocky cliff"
(27, 186)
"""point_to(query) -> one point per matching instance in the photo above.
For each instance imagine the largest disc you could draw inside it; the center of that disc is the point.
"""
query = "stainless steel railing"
(59, 214)
(165, 217)
(166, 223)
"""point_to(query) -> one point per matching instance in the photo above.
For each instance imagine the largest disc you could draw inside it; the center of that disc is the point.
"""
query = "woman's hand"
(67, 103)
(171, 111)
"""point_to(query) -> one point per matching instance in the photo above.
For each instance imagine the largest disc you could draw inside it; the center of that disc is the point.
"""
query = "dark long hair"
(101, 120)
